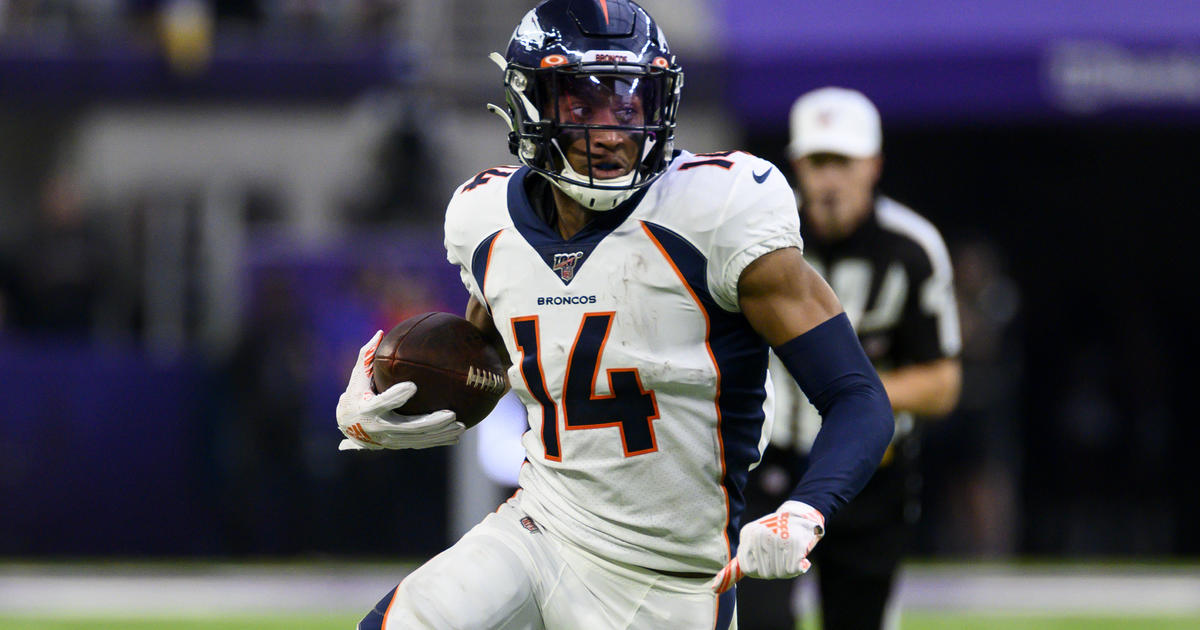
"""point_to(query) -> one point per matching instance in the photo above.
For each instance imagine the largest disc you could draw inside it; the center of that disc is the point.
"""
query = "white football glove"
(369, 422)
(775, 546)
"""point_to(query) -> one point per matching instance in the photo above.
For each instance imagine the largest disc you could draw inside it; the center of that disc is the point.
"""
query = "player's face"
(605, 101)
(837, 190)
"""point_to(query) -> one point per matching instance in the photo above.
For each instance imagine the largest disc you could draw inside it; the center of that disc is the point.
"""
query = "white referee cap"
(835, 120)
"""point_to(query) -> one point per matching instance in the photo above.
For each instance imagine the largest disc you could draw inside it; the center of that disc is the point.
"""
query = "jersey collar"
(538, 232)
(564, 257)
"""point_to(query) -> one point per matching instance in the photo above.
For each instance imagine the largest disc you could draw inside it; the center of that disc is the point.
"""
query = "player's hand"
(368, 421)
(774, 546)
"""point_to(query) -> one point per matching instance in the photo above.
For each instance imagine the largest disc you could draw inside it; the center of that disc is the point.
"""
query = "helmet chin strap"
(574, 184)
(598, 199)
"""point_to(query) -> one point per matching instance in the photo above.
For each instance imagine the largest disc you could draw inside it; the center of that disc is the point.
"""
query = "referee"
(891, 271)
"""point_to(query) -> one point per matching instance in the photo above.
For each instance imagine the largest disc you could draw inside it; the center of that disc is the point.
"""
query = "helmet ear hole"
(517, 80)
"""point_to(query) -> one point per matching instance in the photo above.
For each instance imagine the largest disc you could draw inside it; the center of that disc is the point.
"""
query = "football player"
(891, 271)
(636, 290)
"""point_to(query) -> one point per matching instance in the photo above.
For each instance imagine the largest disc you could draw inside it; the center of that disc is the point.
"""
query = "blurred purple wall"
(106, 450)
(934, 60)
(765, 28)
(98, 452)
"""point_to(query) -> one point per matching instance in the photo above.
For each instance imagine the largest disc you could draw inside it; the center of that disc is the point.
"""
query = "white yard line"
(222, 590)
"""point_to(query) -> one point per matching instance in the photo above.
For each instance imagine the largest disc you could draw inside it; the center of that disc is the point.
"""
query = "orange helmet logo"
(553, 60)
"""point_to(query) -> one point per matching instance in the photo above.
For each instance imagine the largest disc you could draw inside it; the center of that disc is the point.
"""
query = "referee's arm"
(928, 389)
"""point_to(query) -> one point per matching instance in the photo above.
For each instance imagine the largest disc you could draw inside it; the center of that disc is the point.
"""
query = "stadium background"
(205, 207)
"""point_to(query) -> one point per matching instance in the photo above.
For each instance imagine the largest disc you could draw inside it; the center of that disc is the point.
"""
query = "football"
(450, 361)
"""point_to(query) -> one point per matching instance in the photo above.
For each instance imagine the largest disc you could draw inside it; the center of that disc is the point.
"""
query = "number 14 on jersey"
(629, 407)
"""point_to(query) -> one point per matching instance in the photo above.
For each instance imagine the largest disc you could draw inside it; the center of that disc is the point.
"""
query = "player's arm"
(928, 389)
(793, 308)
(783, 297)
(478, 315)
(795, 311)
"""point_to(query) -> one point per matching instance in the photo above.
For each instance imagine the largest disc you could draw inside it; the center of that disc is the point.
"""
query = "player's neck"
(572, 216)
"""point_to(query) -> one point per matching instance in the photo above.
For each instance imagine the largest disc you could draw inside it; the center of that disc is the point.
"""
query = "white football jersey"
(645, 387)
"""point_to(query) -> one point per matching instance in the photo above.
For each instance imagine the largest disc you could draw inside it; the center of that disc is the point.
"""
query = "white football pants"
(509, 574)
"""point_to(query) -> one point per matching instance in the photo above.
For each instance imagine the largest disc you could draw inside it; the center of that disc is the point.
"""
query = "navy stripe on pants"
(374, 619)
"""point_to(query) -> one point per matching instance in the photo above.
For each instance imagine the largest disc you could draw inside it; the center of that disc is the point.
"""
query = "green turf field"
(912, 621)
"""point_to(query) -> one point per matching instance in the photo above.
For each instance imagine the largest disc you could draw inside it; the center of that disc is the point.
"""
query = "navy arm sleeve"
(831, 368)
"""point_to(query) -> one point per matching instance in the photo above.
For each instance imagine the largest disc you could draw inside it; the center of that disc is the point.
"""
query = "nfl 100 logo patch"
(566, 259)
(565, 263)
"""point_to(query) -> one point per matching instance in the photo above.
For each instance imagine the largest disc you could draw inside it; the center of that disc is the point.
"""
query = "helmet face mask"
(592, 111)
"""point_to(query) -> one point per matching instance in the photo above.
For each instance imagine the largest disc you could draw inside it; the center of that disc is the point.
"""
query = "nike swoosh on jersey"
(761, 178)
